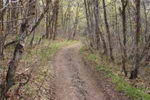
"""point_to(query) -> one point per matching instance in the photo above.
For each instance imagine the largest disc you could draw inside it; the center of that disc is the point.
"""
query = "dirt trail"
(74, 81)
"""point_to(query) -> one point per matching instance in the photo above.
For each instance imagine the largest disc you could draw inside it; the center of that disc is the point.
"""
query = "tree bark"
(56, 11)
(1, 31)
(108, 31)
(134, 73)
(47, 20)
(123, 12)
(146, 23)
(98, 31)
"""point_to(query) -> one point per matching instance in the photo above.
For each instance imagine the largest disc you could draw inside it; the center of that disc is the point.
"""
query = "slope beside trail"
(74, 80)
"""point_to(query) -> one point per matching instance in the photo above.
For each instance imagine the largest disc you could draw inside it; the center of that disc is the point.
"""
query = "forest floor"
(75, 79)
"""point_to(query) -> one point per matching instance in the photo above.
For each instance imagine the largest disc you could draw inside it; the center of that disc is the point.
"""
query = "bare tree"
(99, 33)
(108, 31)
(134, 73)
(123, 13)
(1, 31)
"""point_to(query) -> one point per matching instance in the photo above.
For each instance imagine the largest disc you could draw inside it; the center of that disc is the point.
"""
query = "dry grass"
(36, 63)
(135, 89)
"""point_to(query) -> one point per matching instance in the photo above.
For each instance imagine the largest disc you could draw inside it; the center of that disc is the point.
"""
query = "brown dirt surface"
(75, 80)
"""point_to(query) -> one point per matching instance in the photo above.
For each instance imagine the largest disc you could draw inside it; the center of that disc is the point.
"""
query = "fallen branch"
(10, 43)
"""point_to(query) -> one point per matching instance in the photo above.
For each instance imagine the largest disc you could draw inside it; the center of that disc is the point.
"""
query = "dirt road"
(74, 80)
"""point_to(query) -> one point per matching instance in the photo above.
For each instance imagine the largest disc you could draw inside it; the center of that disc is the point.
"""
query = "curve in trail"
(73, 79)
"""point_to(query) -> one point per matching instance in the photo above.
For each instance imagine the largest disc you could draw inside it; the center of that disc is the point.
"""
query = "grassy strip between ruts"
(109, 69)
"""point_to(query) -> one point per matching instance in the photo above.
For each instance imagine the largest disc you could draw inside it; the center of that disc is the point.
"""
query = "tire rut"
(73, 81)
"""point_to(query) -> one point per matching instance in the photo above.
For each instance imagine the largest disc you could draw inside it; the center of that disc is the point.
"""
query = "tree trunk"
(146, 23)
(56, 11)
(123, 12)
(90, 24)
(134, 72)
(108, 31)
(1, 31)
(98, 31)
(47, 20)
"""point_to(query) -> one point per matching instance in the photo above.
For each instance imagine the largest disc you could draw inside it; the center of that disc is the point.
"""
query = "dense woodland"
(118, 30)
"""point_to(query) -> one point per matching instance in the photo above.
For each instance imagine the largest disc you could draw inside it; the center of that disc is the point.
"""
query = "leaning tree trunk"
(13, 64)
(19, 48)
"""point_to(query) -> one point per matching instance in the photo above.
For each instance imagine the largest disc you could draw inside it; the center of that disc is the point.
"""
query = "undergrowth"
(37, 62)
(43, 74)
(111, 70)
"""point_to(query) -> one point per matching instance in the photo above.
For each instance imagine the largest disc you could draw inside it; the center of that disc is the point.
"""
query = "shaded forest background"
(116, 30)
